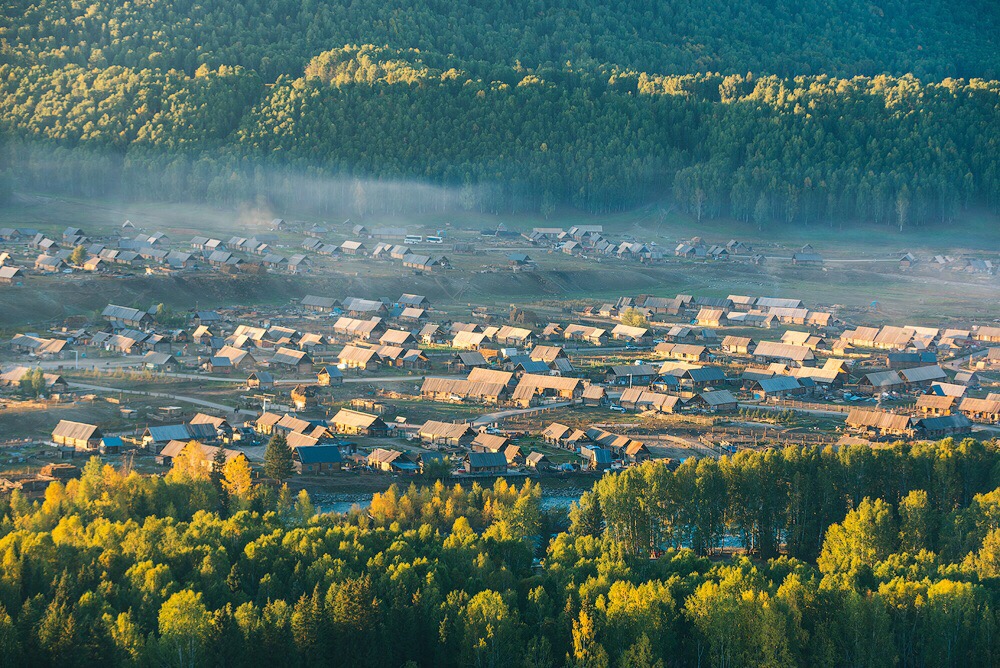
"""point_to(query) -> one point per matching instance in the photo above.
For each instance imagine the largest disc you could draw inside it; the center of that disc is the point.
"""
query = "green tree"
(585, 517)
(304, 508)
(917, 523)
(866, 536)
(185, 627)
(33, 383)
(587, 651)
(640, 655)
(78, 256)
(489, 627)
(218, 468)
(10, 645)
(278, 463)
(634, 318)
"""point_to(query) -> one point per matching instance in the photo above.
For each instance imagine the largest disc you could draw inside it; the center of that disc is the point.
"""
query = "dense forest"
(858, 557)
(791, 112)
(935, 38)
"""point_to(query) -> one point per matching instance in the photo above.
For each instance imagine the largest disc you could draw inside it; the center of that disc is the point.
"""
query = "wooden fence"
(812, 405)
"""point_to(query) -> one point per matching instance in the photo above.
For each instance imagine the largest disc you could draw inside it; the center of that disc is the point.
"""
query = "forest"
(855, 557)
(887, 115)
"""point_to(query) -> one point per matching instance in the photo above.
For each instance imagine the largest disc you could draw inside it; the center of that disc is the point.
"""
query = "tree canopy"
(861, 556)
(887, 116)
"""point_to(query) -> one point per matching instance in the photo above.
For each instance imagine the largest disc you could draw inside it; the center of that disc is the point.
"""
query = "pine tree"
(218, 467)
(278, 458)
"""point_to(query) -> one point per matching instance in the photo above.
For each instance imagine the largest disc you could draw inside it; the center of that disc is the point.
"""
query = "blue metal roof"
(319, 454)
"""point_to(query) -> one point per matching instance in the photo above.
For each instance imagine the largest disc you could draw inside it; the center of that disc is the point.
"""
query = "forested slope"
(893, 559)
(936, 38)
(527, 106)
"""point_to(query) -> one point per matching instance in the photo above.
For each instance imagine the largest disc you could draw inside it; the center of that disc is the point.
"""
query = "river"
(342, 503)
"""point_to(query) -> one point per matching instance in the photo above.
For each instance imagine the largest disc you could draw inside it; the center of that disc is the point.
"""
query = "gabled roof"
(945, 422)
(487, 460)
(884, 378)
(923, 374)
(783, 351)
(355, 419)
(556, 431)
(447, 430)
(359, 305)
(778, 384)
(124, 313)
(776, 302)
(357, 355)
(290, 357)
(490, 442)
(936, 402)
(471, 358)
(718, 398)
(407, 299)
(705, 374)
(396, 337)
(479, 375)
(876, 419)
(76, 430)
(262, 376)
(319, 302)
(468, 339)
(547, 354)
(318, 454)
(629, 331)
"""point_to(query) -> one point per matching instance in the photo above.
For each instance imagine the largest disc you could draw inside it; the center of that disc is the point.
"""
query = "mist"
(251, 186)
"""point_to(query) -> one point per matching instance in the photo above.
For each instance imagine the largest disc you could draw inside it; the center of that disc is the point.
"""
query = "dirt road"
(162, 395)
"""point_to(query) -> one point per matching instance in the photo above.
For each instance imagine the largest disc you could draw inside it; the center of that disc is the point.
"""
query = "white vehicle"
(435, 240)
(413, 239)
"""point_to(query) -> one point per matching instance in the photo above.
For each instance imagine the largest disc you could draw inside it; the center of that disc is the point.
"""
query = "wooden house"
(446, 433)
(717, 401)
(260, 380)
(329, 376)
(392, 461)
(356, 423)
(485, 463)
(317, 459)
(77, 435)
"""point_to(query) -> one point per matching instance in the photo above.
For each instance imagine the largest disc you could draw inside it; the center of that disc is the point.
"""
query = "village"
(364, 384)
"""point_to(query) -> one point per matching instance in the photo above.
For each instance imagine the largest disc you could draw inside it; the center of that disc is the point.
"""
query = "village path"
(161, 395)
(499, 415)
(296, 381)
(956, 364)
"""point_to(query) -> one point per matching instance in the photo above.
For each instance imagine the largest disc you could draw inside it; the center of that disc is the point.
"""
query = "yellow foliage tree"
(634, 318)
(191, 463)
(237, 478)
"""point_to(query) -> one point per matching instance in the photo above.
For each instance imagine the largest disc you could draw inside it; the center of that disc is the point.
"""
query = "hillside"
(934, 39)
(716, 106)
